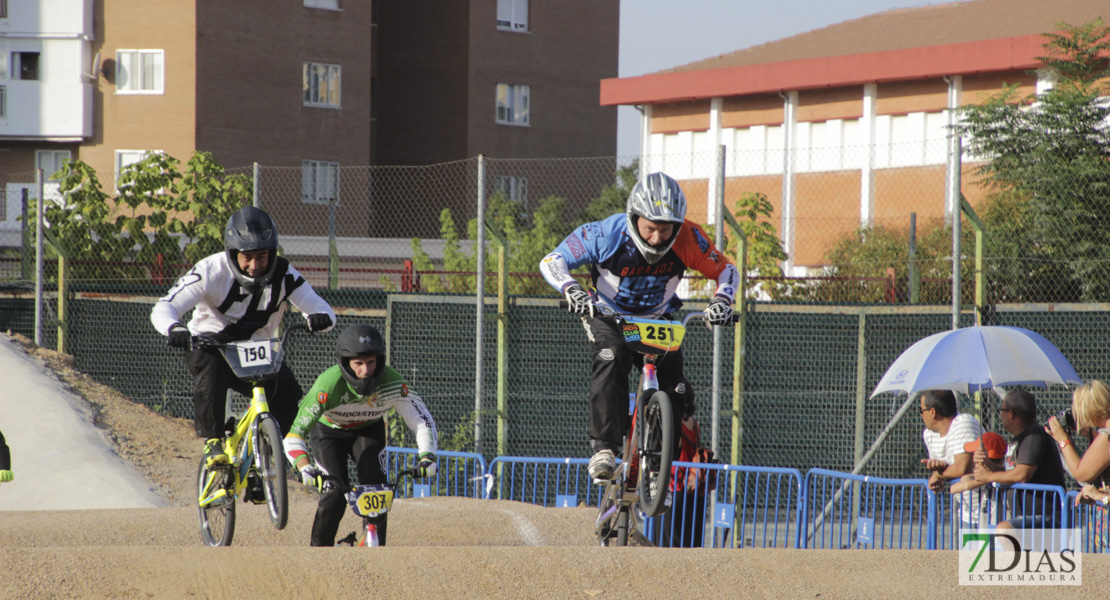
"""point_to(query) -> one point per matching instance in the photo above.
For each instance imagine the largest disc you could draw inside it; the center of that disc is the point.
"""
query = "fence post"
(38, 258)
(333, 248)
(915, 276)
(739, 339)
(980, 283)
(63, 291)
(719, 235)
(931, 521)
(502, 337)
(25, 267)
(256, 185)
(861, 386)
(479, 327)
(956, 249)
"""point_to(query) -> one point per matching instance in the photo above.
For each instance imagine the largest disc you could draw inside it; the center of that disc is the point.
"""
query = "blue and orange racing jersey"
(623, 279)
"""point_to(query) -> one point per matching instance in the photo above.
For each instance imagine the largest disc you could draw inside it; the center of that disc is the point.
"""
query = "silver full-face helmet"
(657, 198)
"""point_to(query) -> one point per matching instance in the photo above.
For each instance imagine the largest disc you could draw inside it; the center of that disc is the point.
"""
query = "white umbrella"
(976, 358)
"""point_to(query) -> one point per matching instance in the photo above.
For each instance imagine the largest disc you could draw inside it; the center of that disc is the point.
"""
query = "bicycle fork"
(240, 449)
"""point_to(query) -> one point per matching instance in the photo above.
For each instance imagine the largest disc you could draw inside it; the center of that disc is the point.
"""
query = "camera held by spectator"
(1067, 418)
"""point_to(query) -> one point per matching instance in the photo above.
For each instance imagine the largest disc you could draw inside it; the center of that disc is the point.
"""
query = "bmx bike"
(642, 477)
(372, 502)
(254, 446)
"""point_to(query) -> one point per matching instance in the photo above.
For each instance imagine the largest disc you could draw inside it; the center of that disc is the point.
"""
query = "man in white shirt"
(946, 432)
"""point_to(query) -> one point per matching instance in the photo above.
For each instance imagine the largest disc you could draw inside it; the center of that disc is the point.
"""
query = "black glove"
(179, 336)
(578, 300)
(719, 311)
(426, 466)
(318, 322)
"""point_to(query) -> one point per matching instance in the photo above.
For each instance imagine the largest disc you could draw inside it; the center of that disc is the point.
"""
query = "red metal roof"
(959, 38)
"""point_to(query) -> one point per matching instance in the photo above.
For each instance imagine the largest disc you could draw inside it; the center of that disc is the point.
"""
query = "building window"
(3, 9)
(512, 103)
(321, 84)
(3, 101)
(319, 182)
(125, 158)
(25, 65)
(140, 71)
(512, 15)
(514, 188)
(50, 161)
(332, 4)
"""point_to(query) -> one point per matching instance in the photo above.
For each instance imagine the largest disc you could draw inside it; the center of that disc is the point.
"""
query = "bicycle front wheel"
(271, 467)
(216, 504)
(656, 452)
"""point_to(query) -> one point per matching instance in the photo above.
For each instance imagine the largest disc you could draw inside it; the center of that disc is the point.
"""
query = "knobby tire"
(656, 433)
(217, 523)
(271, 468)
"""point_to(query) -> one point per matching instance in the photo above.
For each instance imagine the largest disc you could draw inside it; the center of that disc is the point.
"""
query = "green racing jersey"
(332, 403)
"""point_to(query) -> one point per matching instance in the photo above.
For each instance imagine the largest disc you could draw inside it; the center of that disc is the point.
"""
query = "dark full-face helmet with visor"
(251, 229)
(361, 341)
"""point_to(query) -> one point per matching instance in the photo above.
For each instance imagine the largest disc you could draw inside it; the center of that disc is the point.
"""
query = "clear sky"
(659, 34)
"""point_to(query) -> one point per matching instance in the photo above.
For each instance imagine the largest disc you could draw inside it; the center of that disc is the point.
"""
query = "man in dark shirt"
(1035, 458)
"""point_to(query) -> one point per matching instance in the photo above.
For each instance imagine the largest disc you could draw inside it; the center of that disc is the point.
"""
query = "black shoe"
(254, 492)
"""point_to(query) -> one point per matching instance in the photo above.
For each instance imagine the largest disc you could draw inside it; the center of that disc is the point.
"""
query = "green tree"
(1047, 158)
(156, 205)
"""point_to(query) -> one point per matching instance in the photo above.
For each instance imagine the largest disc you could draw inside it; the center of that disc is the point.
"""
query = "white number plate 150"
(254, 354)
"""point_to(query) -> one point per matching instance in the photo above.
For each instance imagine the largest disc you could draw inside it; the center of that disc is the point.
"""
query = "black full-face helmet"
(247, 230)
(361, 340)
(658, 198)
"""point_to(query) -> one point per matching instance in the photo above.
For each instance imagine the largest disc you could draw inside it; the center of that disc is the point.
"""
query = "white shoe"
(602, 465)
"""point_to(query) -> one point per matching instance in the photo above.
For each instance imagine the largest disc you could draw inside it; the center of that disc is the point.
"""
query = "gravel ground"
(438, 547)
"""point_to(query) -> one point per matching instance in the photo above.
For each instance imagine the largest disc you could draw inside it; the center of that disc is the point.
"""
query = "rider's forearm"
(727, 283)
(555, 271)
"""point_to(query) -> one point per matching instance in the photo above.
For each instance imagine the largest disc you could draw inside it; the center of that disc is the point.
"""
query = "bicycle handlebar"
(608, 312)
(207, 341)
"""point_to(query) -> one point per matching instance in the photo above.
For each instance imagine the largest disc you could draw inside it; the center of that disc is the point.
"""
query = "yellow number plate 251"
(373, 503)
(662, 335)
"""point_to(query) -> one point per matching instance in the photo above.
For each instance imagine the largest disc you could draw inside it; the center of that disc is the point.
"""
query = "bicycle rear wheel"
(216, 504)
(656, 452)
(271, 467)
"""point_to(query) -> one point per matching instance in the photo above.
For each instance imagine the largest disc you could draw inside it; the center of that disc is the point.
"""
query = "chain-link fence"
(868, 244)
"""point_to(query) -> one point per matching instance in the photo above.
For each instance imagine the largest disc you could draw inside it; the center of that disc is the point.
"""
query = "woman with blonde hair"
(1091, 407)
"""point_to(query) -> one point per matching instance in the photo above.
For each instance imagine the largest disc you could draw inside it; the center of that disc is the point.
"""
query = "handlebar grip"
(563, 303)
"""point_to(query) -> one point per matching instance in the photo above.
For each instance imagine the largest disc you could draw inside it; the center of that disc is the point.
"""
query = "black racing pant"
(612, 362)
(330, 448)
(212, 377)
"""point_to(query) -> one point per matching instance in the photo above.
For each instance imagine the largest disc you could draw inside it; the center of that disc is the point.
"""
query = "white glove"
(719, 312)
(578, 300)
(315, 478)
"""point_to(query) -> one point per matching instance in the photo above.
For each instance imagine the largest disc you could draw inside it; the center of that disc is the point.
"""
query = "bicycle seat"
(652, 336)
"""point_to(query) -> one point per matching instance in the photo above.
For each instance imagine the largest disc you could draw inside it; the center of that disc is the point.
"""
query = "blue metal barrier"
(1094, 520)
(984, 507)
(461, 474)
(842, 511)
(542, 481)
(749, 507)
